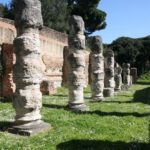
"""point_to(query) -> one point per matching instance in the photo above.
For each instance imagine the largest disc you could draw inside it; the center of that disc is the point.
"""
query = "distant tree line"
(57, 12)
(133, 51)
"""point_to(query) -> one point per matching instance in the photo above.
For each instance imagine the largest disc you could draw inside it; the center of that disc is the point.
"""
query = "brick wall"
(7, 87)
(52, 45)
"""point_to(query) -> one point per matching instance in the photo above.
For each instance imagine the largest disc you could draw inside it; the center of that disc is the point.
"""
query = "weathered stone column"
(109, 82)
(134, 74)
(97, 68)
(28, 74)
(87, 55)
(126, 74)
(76, 59)
(65, 69)
(118, 77)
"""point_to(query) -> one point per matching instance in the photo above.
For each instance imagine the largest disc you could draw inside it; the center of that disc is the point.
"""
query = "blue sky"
(124, 18)
(4, 1)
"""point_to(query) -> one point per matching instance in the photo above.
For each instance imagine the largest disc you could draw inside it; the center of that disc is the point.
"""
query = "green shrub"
(145, 76)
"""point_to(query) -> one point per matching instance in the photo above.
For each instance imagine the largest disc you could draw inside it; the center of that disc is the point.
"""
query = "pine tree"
(93, 17)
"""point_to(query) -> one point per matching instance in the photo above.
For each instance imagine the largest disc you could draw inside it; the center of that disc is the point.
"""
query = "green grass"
(145, 77)
(121, 122)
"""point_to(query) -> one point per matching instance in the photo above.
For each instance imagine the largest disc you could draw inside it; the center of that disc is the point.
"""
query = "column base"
(125, 87)
(30, 129)
(97, 99)
(117, 89)
(78, 107)
(108, 92)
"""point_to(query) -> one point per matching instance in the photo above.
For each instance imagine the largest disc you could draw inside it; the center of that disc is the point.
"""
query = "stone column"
(28, 74)
(87, 55)
(97, 68)
(109, 82)
(65, 69)
(134, 74)
(118, 77)
(76, 60)
(126, 74)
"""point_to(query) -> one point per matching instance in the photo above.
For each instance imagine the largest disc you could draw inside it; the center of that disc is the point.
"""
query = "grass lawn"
(121, 122)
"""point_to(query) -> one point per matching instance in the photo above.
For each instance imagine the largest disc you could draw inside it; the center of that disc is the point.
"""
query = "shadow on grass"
(119, 102)
(143, 83)
(6, 99)
(55, 106)
(5, 125)
(118, 114)
(87, 92)
(102, 145)
(142, 96)
(100, 113)
(60, 95)
(85, 97)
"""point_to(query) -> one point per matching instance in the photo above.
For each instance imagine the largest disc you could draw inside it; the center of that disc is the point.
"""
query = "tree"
(144, 54)
(2, 10)
(55, 14)
(7, 11)
(133, 51)
(87, 9)
(125, 50)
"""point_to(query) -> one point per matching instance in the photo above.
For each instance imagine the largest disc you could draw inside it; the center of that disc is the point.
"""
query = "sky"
(130, 18)
(4, 1)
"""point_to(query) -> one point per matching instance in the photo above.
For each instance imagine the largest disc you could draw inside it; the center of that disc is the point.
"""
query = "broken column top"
(116, 65)
(28, 14)
(76, 33)
(109, 53)
(96, 44)
(126, 65)
(118, 69)
(76, 24)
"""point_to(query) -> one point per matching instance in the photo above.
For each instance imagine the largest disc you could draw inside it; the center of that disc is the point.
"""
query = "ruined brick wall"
(65, 66)
(7, 87)
(52, 45)
(7, 31)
